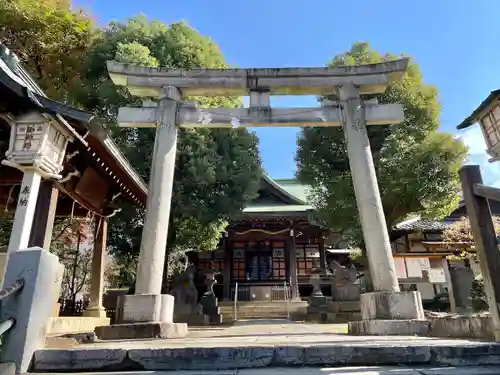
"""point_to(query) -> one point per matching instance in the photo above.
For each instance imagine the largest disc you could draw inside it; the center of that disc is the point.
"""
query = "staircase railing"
(285, 293)
(14, 289)
(235, 308)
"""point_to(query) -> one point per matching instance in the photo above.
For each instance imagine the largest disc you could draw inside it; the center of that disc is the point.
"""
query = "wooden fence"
(77, 308)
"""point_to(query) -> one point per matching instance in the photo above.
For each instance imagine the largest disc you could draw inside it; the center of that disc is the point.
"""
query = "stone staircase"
(296, 310)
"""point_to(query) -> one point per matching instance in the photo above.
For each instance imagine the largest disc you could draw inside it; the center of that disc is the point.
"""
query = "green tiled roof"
(294, 188)
(295, 192)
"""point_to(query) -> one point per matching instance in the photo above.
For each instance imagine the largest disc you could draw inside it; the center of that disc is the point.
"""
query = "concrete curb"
(7, 368)
(220, 358)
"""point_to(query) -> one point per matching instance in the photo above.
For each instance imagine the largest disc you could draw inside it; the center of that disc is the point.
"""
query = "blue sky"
(454, 42)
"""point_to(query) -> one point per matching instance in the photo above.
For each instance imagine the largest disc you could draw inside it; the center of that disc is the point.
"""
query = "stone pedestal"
(317, 304)
(209, 301)
(186, 307)
(211, 309)
(343, 287)
(390, 313)
(461, 280)
(144, 316)
(346, 292)
(32, 306)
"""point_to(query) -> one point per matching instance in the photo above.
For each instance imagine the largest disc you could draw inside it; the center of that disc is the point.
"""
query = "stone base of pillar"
(144, 316)
(148, 330)
(95, 312)
(390, 313)
(139, 308)
(389, 328)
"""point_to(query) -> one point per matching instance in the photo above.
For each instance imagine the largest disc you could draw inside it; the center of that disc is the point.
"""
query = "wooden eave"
(20, 94)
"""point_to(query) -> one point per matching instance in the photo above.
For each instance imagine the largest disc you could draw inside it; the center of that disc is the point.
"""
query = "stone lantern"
(317, 304)
(488, 117)
(37, 142)
(37, 147)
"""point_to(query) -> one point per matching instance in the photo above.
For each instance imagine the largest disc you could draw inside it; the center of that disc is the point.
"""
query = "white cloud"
(473, 139)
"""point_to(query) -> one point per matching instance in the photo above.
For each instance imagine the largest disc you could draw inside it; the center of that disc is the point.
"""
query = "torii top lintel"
(148, 82)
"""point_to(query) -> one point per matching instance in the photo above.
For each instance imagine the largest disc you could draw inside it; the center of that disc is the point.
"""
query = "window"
(238, 266)
(491, 123)
(307, 257)
(211, 259)
(279, 267)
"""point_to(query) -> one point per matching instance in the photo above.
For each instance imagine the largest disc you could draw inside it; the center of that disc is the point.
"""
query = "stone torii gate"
(348, 84)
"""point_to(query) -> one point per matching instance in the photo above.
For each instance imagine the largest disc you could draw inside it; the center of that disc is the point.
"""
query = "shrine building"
(274, 241)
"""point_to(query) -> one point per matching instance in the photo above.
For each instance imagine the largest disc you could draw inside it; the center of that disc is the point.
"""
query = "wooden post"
(449, 285)
(322, 255)
(485, 240)
(96, 308)
(226, 291)
(45, 213)
(292, 266)
(25, 211)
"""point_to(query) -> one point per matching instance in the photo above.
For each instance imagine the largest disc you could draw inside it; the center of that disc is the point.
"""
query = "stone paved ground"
(272, 332)
(484, 370)
(271, 344)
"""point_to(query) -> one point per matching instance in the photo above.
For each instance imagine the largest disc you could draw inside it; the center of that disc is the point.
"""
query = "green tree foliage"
(217, 170)
(51, 39)
(417, 166)
(6, 221)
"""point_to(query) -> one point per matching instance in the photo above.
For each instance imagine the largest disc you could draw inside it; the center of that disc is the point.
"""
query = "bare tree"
(68, 239)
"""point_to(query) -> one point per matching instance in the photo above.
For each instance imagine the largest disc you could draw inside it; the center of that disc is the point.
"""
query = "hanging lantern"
(37, 142)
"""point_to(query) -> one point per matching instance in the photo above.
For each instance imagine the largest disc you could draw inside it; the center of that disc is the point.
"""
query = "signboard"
(400, 268)
(413, 268)
(238, 254)
(278, 253)
(436, 275)
(424, 263)
(312, 253)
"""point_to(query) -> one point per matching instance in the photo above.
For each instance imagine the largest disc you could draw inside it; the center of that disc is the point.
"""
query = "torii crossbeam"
(189, 116)
(351, 112)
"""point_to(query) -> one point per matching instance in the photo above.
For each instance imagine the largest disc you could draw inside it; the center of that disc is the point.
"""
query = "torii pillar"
(383, 310)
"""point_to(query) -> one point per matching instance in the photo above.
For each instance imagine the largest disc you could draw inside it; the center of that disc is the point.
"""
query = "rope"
(6, 209)
(6, 325)
(262, 231)
(10, 290)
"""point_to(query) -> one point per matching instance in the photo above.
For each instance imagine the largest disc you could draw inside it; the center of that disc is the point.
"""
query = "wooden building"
(95, 179)
(274, 241)
(418, 246)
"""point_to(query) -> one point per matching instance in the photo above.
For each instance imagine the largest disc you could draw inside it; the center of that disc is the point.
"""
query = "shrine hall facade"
(274, 241)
